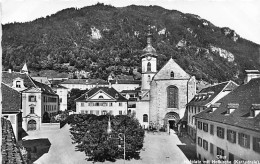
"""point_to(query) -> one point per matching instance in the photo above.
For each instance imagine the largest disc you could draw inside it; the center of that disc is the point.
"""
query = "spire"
(149, 36)
(25, 69)
(149, 48)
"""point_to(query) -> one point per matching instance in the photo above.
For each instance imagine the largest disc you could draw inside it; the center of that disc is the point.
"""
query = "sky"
(243, 16)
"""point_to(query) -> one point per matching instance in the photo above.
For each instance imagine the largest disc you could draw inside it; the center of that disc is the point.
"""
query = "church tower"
(149, 63)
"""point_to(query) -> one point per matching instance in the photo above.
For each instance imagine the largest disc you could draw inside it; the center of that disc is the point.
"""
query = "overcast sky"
(241, 15)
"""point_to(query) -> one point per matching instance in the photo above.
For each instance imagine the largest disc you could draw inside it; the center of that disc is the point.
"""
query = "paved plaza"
(159, 148)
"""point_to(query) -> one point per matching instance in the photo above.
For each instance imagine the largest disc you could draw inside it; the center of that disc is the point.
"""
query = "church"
(164, 93)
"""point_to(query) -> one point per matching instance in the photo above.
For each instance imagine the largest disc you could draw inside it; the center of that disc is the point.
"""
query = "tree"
(74, 93)
(89, 132)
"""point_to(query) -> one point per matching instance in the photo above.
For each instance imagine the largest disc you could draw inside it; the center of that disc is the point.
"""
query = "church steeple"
(149, 62)
(25, 69)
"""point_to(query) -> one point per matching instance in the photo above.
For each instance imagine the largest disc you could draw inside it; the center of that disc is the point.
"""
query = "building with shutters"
(203, 100)
(230, 128)
(38, 100)
(101, 101)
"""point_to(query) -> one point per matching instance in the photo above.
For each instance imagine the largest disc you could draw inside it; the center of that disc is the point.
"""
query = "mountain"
(102, 38)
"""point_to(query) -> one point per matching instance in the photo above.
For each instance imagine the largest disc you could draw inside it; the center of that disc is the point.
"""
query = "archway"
(31, 125)
(170, 120)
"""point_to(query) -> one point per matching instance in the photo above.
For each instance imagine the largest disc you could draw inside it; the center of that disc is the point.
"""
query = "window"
(91, 112)
(205, 127)
(18, 84)
(148, 66)
(220, 152)
(256, 144)
(91, 104)
(149, 78)
(104, 112)
(97, 112)
(110, 104)
(116, 96)
(172, 74)
(205, 144)
(60, 100)
(231, 136)
(120, 104)
(32, 98)
(145, 118)
(82, 104)
(100, 97)
(86, 111)
(96, 104)
(31, 110)
(211, 148)
(120, 112)
(199, 141)
(220, 132)
(172, 97)
(104, 104)
(199, 125)
(244, 140)
(212, 129)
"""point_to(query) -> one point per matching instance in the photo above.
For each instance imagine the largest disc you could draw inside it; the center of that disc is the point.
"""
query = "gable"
(98, 96)
(171, 66)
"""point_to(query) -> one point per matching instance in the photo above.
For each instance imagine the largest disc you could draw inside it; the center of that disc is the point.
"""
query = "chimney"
(110, 85)
(9, 70)
(251, 74)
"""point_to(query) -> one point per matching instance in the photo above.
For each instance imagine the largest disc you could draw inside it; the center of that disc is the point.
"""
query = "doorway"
(172, 124)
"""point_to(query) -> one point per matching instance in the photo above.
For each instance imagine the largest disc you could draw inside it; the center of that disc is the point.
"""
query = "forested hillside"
(103, 38)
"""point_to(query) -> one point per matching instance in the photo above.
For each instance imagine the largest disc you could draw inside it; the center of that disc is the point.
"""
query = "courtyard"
(159, 147)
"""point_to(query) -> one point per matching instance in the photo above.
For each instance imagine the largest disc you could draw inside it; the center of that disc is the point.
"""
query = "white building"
(37, 98)
(229, 130)
(62, 92)
(100, 101)
(203, 100)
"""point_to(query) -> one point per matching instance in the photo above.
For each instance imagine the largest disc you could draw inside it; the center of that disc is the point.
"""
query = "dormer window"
(100, 97)
(18, 84)
(172, 74)
(116, 96)
(214, 107)
(231, 107)
(86, 96)
(255, 110)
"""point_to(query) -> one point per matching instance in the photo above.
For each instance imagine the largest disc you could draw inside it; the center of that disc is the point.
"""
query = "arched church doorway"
(170, 120)
(31, 125)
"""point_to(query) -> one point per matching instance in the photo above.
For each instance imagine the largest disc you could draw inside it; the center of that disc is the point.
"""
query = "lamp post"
(109, 131)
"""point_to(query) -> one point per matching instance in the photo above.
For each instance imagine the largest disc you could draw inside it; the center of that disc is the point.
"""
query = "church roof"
(149, 50)
(11, 99)
(243, 99)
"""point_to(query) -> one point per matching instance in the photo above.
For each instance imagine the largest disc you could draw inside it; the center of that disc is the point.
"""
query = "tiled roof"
(110, 91)
(85, 81)
(11, 99)
(243, 98)
(210, 93)
(130, 91)
(40, 79)
(125, 82)
(74, 81)
(8, 78)
(44, 88)
(58, 86)
(10, 150)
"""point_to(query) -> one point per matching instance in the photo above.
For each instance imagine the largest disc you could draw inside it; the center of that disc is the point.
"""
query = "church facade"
(166, 92)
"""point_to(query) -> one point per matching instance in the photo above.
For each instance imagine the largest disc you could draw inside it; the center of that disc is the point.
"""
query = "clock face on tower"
(148, 57)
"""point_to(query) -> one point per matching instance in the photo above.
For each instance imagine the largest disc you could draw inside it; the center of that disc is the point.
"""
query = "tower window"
(172, 74)
(148, 66)
(172, 97)
(32, 110)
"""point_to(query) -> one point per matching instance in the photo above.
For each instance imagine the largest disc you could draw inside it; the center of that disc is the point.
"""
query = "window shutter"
(235, 137)
(228, 135)
(239, 138)
(248, 141)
